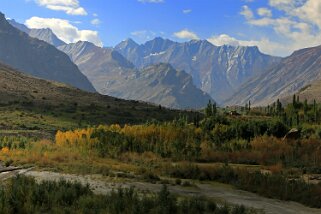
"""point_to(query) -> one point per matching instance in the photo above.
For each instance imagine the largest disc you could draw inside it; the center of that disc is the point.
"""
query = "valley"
(185, 116)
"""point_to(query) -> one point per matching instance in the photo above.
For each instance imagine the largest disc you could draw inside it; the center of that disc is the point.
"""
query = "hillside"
(112, 74)
(38, 99)
(164, 85)
(217, 70)
(310, 93)
(38, 58)
(286, 78)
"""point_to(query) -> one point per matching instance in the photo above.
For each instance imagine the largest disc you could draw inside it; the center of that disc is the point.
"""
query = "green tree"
(209, 109)
(294, 101)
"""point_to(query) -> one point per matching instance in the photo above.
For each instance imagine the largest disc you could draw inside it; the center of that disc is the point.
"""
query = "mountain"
(164, 85)
(104, 67)
(19, 26)
(42, 34)
(20, 91)
(293, 73)
(114, 75)
(218, 71)
(38, 58)
(46, 35)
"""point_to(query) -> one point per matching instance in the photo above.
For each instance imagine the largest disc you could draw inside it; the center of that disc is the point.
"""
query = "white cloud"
(265, 45)
(247, 12)
(298, 26)
(224, 39)
(264, 12)
(187, 11)
(95, 22)
(70, 7)
(282, 4)
(65, 30)
(151, 1)
(143, 35)
(186, 34)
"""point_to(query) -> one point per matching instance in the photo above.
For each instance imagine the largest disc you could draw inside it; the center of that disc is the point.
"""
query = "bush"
(24, 195)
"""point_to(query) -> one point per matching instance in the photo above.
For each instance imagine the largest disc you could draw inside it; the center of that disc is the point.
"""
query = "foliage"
(268, 185)
(24, 195)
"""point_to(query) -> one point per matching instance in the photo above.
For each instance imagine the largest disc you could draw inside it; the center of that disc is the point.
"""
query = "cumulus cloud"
(298, 26)
(70, 7)
(64, 30)
(143, 35)
(151, 1)
(247, 12)
(264, 12)
(264, 44)
(224, 39)
(186, 34)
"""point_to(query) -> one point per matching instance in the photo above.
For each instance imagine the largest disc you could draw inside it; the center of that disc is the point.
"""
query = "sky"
(277, 27)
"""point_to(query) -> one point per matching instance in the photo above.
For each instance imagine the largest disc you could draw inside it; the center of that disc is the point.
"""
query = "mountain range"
(219, 71)
(187, 75)
(114, 75)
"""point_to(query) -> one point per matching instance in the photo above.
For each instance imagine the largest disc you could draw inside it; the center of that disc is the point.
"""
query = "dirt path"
(104, 185)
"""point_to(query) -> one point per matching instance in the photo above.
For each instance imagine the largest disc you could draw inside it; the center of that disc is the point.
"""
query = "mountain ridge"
(284, 79)
(45, 34)
(217, 70)
(114, 75)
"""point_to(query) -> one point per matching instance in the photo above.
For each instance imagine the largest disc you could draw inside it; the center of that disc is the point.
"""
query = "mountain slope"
(286, 78)
(113, 75)
(38, 58)
(218, 71)
(38, 95)
(164, 85)
(309, 92)
(103, 67)
(42, 34)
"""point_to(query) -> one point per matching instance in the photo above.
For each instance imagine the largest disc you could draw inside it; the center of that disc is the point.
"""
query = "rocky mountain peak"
(127, 44)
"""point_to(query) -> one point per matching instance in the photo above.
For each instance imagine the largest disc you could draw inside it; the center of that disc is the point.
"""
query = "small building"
(293, 134)
(234, 113)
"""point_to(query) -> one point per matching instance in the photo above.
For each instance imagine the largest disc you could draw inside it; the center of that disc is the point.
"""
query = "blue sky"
(277, 26)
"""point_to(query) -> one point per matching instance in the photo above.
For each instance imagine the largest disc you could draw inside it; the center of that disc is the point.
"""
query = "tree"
(214, 109)
(278, 107)
(305, 109)
(294, 101)
(315, 110)
(209, 109)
